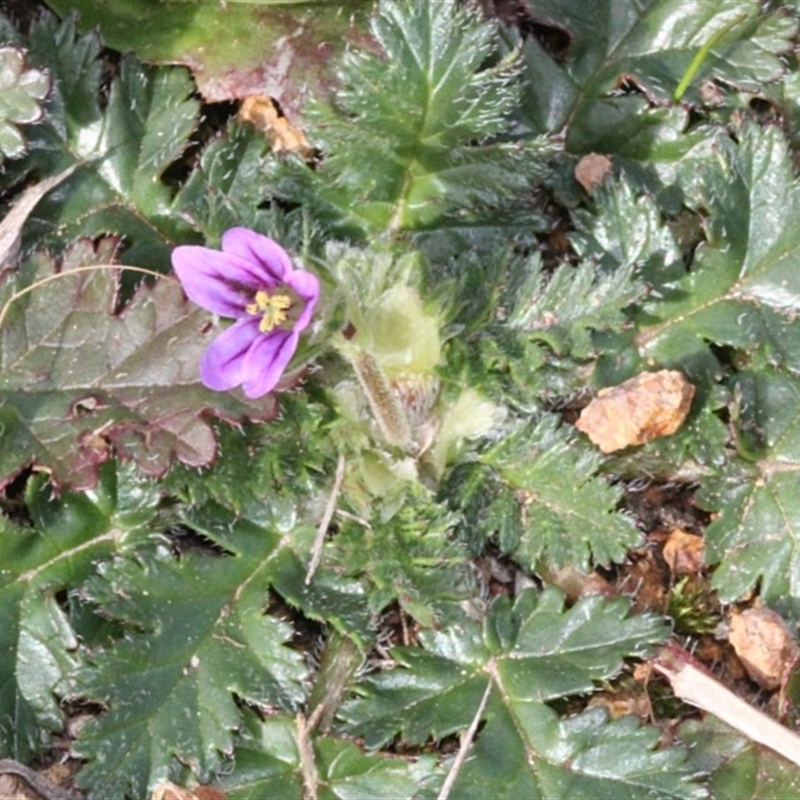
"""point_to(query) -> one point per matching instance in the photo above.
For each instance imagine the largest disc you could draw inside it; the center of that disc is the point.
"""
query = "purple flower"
(251, 280)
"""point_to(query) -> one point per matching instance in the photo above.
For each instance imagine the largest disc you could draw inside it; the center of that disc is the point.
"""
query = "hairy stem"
(340, 660)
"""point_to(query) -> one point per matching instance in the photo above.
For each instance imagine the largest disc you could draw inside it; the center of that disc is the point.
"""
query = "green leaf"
(226, 188)
(487, 504)
(202, 638)
(563, 521)
(38, 641)
(524, 328)
(625, 230)
(585, 757)
(739, 769)
(536, 650)
(21, 93)
(410, 558)
(410, 139)
(268, 764)
(525, 655)
(564, 307)
(337, 600)
(78, 379)
(281, 48)
(754, 538)
(619, 65)
(743, 286)
(787, 95)
(288, 462)
(124, 148)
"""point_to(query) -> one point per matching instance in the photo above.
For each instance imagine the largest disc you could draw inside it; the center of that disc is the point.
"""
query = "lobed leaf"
(76, 379)
(332, 598)
(563, 522)
(743, 287)
(202, 640)
(534, 754)
(39, 641)
(611, 79)
(533, 651)
(418, 140)
(754, 540)
(411, 138)
(524, 655)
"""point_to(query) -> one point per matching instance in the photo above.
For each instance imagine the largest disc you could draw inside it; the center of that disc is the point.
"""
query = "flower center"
(272, 308)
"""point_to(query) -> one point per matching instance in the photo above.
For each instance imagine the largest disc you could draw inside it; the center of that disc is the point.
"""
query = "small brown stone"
(764, 645)
(648, 406)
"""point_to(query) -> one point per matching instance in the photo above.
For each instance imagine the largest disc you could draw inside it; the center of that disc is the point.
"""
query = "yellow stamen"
(272, 308)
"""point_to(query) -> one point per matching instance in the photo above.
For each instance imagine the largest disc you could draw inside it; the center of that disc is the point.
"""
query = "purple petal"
(219, 282)
(260, 251)
(307, 287)
(266, 360)
(222, 365)
(304, 283)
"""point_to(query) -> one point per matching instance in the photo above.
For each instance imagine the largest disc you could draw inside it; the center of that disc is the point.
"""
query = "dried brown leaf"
(283, 137)
(592, 170)
(684, 552)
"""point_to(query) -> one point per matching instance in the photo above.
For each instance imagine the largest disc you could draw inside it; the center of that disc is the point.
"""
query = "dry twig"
(693, 684)
(322, 530)
(463, 749)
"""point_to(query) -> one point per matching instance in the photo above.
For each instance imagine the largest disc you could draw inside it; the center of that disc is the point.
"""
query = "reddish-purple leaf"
(284, 49)
(79, 381)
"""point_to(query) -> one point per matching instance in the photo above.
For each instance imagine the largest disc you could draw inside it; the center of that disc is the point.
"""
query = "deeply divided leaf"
(525, 655)
(412, 136)
(203, 640)
(562, 522)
